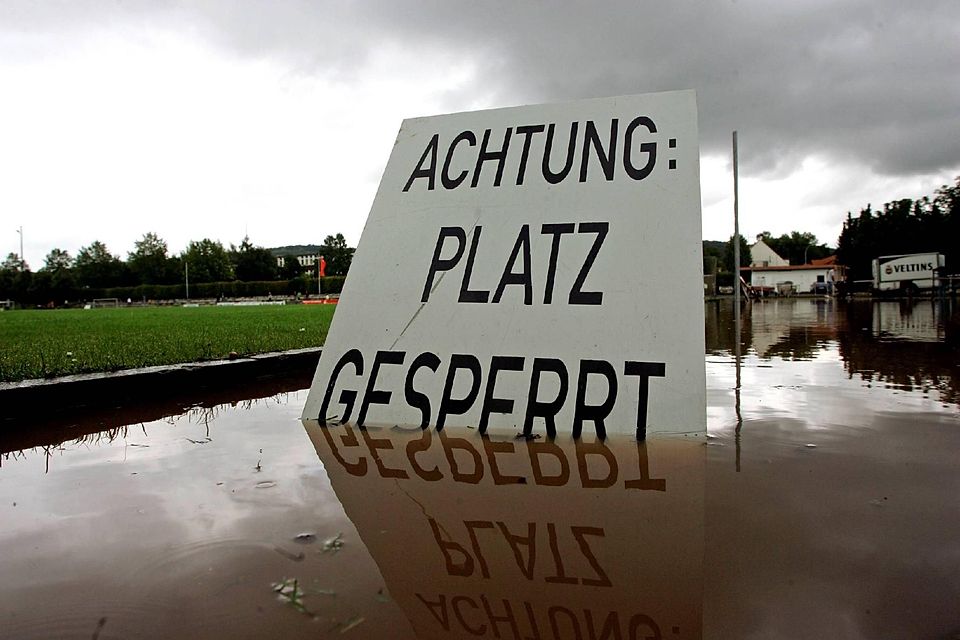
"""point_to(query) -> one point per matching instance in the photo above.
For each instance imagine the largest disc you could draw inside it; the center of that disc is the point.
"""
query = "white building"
(305, 261)
(799, 278)
(761, 255)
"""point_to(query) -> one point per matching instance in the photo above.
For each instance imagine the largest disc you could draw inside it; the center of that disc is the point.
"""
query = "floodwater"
(824, 502)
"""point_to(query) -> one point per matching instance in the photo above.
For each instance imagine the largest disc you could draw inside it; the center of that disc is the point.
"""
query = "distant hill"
(714, 245)
(295, 250)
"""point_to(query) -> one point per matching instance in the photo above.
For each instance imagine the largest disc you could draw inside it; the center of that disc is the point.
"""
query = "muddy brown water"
(824, 502)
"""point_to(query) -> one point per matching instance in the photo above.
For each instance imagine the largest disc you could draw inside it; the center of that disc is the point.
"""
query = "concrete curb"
(57, 396)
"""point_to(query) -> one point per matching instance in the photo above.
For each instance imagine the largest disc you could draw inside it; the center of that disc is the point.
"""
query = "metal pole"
(186, 266)
(736, 242)
(23, 261)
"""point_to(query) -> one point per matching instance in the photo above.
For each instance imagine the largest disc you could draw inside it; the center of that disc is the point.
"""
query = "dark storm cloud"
(873, 82)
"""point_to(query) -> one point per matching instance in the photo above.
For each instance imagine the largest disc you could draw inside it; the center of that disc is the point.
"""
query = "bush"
(40, 290)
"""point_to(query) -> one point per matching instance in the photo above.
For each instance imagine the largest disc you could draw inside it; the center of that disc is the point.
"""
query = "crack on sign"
(432, 289)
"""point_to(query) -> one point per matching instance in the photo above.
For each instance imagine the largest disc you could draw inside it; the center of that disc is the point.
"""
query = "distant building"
(817, 277)
(307, 255)
(761, 255)
(305, 260)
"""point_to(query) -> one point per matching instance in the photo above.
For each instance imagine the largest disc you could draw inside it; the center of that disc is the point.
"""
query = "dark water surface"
(823, 503)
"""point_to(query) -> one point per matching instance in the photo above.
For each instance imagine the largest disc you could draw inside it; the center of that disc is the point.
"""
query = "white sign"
(533, 268)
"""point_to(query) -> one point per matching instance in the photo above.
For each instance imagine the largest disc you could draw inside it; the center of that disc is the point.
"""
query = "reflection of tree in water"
(798, 330)
(801, 343)
(903, 364)
(193, 415)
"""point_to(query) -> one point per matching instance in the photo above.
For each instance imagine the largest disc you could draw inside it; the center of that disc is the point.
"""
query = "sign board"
(920, 269)
(534, 268)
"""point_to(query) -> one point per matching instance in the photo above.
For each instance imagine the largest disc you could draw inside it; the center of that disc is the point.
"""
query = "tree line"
(930, 224)
(64, 277)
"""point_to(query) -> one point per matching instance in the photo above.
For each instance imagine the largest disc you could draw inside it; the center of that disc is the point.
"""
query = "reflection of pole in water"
(736, 395)
(736, 295)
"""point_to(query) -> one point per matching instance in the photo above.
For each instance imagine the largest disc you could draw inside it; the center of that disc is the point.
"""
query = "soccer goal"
(105, 302)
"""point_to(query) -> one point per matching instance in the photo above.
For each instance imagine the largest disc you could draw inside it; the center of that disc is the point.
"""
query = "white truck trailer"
(909, 273)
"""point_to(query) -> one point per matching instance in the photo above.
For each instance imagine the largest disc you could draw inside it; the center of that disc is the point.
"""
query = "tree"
(95, 266)
(728, 255)
(15, 278)
(252, 263)
(337, 254)
(291, 268)
(57, 260)
(149, 262)
(56, 280)
(14, 264)
(713, 252)
(903, 226)
(208, 261)
(796, 247)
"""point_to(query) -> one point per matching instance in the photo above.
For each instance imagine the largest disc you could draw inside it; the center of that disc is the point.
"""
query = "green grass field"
(41, 344)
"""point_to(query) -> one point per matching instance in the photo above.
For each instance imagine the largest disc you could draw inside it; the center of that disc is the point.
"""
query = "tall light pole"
(736, 242)
(23, 261)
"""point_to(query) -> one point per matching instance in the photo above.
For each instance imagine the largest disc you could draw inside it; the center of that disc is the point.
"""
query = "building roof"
(794, 267)
(761, 252)
(828, 261)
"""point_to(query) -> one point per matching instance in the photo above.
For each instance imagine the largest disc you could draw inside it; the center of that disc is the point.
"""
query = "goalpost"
(105, 302)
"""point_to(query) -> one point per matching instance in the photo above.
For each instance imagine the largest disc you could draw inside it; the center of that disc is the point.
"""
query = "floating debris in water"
(334, 544)
(100, 624)
(305, 538)
(265, 484)
(810, 446)
(288, 590)
(352, 623)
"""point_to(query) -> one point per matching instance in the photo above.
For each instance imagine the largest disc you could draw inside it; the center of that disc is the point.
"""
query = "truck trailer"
(908, 273)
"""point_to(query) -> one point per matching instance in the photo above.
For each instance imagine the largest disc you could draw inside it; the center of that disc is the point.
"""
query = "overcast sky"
(275, 119)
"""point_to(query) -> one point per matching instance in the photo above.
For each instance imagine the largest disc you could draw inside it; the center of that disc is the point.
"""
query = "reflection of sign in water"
(536, 268)
(479, 537)
(914, 323)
